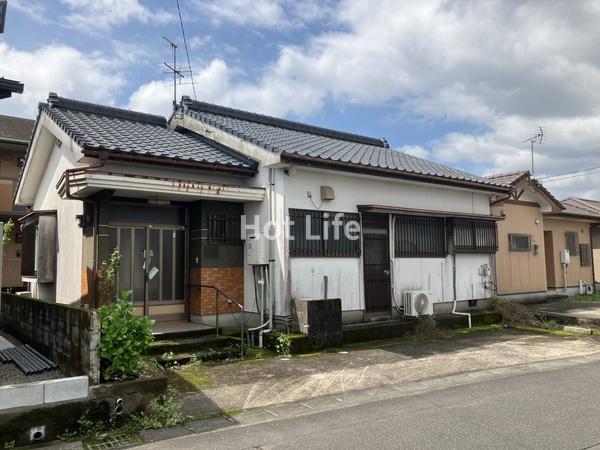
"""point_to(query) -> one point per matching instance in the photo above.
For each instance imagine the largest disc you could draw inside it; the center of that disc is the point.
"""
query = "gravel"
(11, 374)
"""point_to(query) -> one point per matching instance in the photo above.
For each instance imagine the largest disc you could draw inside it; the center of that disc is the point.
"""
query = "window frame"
(513, 248)
(588, 255)
(432, 239)
(224, 228)
(575, 235)
(322, 248)
(471, 229)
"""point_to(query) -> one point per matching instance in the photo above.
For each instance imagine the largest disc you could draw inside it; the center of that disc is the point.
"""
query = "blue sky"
(460, 82)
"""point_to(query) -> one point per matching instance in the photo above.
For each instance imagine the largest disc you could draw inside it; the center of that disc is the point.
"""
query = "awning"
(81, 183)
(378, 209)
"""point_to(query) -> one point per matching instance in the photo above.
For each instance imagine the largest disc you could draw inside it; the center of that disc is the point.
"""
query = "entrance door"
(550, 267)
(376, 263)
(152, 268)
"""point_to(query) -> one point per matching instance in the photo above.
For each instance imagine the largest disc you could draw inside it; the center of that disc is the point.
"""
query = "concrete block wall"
(68, 335)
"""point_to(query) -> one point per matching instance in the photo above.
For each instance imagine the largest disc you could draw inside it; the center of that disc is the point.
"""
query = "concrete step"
(164, 332)
(190, 344)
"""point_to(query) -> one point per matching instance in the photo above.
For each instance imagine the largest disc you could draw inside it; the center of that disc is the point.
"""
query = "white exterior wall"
(68, 259)
(436, 275)
(345, 275)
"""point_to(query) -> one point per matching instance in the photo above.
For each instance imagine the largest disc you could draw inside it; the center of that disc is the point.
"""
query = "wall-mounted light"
(537, 221)
(503, 213)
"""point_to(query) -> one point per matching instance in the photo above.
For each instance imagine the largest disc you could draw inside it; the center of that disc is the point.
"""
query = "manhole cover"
(116, 440)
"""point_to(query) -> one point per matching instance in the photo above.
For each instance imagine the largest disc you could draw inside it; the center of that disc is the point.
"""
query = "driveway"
(245, 385)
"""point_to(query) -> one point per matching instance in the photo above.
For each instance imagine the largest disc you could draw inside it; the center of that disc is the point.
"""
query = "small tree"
(7, 231)
(107, 277)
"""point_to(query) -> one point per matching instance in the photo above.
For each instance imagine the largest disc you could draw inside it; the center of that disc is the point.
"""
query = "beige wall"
(520, 272)
(575, 272)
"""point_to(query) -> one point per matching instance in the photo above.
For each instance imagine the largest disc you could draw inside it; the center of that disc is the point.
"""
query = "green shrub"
(124, 339)
(513, 313)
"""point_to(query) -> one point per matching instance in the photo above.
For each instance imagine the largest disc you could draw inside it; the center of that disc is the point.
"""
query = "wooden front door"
(376, 263)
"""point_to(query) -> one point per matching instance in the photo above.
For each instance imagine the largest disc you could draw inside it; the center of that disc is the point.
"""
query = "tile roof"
(15, 128)
(96, 127)
(320, 144)
(582, 207)
(511, 179)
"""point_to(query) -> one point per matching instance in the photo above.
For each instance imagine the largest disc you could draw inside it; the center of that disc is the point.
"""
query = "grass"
(595, 297)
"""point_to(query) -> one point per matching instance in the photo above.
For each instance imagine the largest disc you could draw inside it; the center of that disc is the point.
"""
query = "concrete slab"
(575, 310)
(5, 343)
(161, 328)
(28, 394)
(64, 389)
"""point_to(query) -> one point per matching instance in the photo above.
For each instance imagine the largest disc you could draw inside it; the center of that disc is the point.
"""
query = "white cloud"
(60, 69)
(277, 14)
(100, 15)
(415, 150)
(257, 13)
(501, 67)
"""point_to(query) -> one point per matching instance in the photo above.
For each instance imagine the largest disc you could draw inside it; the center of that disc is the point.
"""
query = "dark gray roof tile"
(119, 130)
(278, 135)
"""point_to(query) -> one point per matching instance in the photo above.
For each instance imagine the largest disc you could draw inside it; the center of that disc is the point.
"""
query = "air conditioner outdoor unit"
(417, 303)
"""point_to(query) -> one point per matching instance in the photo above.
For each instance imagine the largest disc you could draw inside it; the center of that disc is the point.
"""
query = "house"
(14, 138)
(536, 229)
(521, 258)
(191, 205)
(571, 229)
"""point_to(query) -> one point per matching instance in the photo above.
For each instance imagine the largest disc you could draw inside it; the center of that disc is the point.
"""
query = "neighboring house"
(174, 198)
(15, 133)
(571, 229)
(521, 256)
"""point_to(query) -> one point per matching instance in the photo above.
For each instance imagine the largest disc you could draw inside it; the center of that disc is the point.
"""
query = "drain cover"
(116, 440)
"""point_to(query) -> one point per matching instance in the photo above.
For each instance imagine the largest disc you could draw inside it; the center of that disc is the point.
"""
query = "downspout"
(270, 274)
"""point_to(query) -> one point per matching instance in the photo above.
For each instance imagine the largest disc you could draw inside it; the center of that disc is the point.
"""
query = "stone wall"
(68, 335)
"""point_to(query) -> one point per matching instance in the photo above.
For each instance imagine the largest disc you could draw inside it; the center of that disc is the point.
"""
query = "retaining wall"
(68, 335)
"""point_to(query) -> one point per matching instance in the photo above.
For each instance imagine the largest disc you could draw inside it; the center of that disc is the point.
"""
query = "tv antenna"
(176, 72)
(537, 138)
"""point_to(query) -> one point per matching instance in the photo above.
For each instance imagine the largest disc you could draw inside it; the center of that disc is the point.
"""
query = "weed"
(513, 313)
(427, 328)
(9, 445)
(283, 345)
(163, 411)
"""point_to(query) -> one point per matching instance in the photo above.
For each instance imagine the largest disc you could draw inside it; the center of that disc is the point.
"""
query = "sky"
(463, 83)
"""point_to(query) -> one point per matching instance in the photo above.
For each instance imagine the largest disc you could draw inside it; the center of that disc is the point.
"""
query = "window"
(315, 233)
(38, 252)
(585, 251)
(474, 236)
(572, 242)
(420, 236)
(224, 228)
(519, 242)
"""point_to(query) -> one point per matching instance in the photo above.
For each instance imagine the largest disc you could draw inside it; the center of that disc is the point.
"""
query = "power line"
(186, 50)
(552, 180)
(571, 172)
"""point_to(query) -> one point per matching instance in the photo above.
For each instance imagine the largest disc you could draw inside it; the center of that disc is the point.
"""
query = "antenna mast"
(537, 138)
(176, 72)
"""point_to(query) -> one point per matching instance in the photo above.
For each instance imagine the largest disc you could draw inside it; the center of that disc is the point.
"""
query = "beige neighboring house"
(14, 139)
(521, 258)
(575, 229)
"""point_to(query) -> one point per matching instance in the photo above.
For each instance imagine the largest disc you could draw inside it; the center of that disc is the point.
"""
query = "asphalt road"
(554, 409)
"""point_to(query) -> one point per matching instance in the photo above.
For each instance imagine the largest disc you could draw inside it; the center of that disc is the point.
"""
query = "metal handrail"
(219, 292)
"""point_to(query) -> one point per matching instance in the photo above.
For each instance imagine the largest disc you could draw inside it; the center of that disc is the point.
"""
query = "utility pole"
(176, 72)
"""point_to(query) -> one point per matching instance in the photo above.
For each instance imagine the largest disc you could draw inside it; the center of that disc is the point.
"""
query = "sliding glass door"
(152, 268)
